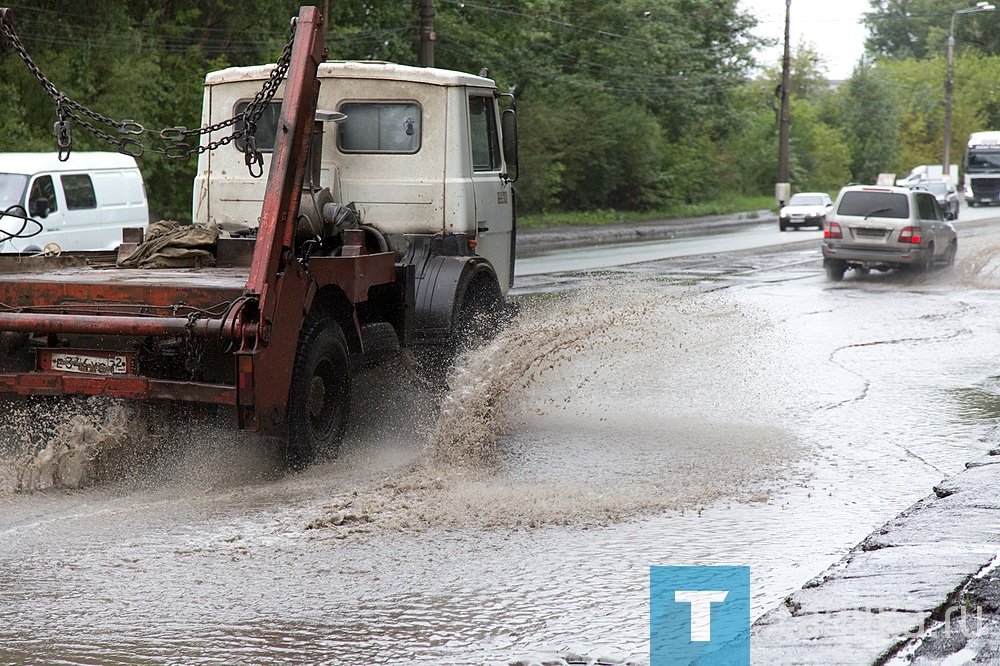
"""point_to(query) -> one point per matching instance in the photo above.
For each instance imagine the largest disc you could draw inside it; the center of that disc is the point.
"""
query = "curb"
(898, 586)
(568, 236)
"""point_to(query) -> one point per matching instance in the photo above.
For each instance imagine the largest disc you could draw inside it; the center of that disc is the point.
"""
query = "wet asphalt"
(923, 589)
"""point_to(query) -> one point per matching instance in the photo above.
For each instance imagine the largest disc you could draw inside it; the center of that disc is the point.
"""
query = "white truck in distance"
(982, 169)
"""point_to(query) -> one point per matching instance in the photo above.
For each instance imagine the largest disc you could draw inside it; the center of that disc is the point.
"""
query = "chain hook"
(253, 157)
(64, 139)
(130, 127)
(130, 146)
(62, 129)
(177, 151)
(173, 133)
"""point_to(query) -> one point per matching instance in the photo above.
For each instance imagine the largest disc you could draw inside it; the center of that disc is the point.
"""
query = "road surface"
(731, 407)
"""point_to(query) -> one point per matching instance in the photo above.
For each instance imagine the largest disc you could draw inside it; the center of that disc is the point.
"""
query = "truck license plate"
(88, 363)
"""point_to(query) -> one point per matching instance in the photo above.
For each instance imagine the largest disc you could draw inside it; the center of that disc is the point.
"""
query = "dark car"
(945, 192)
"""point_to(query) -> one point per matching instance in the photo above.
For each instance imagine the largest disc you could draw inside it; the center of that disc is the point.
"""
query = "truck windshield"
(12, 189)
(983, 160)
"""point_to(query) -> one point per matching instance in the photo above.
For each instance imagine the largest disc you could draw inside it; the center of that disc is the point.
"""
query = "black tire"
(952, 252)
(320, 395)
(835, 269)
(479, 319)
(782, 226)
(928, 264)
(380, 341)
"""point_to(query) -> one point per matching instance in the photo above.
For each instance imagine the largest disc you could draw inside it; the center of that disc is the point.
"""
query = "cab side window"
(43, 188)
(379, 127)
(483, 124)
(267, 126)
(927, 205)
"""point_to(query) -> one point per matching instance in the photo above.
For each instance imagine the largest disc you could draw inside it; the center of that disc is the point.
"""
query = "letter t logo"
(701, 610)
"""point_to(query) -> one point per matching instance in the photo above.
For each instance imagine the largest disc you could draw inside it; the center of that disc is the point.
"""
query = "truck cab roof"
(360, 69)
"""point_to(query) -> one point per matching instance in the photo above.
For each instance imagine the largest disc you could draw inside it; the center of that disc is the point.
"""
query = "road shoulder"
(901, 592)
(531, 239)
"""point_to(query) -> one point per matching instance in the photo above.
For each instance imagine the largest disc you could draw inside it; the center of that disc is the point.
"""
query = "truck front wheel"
(320, 394)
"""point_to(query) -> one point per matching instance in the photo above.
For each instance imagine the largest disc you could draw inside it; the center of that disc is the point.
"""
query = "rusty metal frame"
(263, 319)
(129, 387)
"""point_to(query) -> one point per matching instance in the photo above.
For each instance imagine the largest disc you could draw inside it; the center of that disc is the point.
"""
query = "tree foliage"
(918, 29)
(870, 122)
(611, 94)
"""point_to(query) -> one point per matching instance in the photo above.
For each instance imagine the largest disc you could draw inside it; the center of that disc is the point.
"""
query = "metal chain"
(69, 110)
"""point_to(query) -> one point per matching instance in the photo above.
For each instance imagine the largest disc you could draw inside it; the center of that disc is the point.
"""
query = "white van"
(81, 204)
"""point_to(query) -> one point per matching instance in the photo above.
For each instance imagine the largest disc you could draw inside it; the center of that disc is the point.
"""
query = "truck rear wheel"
(320, 395)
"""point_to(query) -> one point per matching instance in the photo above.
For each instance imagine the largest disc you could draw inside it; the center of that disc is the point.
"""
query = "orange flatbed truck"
(273, 328)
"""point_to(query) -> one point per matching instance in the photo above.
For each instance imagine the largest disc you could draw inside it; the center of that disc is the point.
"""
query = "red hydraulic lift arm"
(288, 162)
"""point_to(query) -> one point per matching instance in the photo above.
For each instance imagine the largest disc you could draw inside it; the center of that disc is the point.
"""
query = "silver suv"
(885, 228)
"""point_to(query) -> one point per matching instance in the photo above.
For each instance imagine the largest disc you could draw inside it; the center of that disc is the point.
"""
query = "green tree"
(870, 122)
(603, 88)
(903, 29)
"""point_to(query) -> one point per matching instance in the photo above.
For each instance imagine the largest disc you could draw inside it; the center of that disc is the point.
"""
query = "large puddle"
(625, 423)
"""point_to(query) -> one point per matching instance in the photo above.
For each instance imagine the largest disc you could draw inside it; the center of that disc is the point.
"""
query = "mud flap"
(440, 287)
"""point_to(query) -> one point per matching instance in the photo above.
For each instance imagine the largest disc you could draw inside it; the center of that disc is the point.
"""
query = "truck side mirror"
(508, 124)
(39, 207)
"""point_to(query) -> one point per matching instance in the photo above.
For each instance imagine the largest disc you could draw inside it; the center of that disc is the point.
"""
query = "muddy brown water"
(737, 412)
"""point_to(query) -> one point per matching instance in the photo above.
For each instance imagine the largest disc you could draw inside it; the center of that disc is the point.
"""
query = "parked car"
(885, 228)
(80, 204)
(805, 209)
(945, 192)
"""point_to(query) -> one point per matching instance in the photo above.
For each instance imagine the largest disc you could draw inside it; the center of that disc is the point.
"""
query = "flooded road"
(733, 408)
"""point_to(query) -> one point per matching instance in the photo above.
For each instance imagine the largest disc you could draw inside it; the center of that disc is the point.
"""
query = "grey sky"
(832, 28)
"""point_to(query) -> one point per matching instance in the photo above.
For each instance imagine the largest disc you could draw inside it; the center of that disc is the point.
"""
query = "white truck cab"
(81, 204)
(417, 151)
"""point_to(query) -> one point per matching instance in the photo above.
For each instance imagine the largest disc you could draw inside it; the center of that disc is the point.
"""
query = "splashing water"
(595, 406)
(486, 382)
(979, 265)
(82, 443)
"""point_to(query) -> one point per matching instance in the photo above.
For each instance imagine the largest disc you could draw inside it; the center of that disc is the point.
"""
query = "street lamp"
(980, 7)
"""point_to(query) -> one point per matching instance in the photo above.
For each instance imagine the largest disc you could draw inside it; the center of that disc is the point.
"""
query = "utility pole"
(782, 191)
(949, 84)
(427, 35)
(948, 91)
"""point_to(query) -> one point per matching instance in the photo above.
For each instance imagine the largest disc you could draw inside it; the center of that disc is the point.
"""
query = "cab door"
(494, 199)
